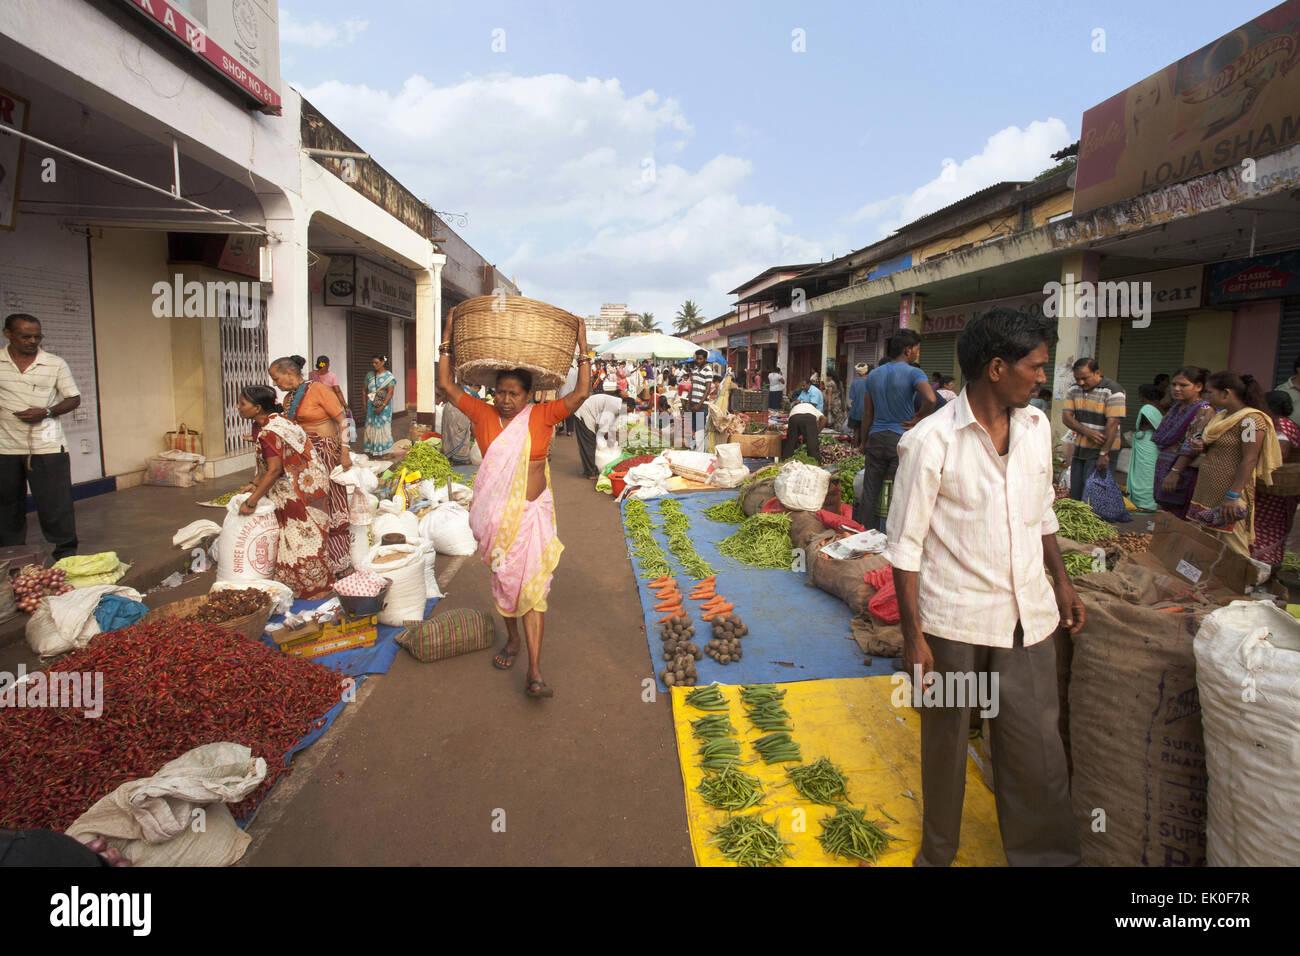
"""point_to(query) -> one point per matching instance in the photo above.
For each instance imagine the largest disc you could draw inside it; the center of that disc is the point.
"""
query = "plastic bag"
(729, 456)
(802, 487)
(447, 528)
(66, 622)
(1104, 497)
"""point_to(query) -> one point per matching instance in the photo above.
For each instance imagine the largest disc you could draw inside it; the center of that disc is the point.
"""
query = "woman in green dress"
(1142, 465)
(380, 384)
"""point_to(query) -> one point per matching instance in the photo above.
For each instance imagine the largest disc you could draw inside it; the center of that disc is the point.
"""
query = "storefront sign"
(1230, 101)
(384, 290)
(240, 40)
(813, 337)
(764, 337)
(954, 318)
(738, 341)
(1264, 277)
(860, 335)
(1173, 290)
(341, 281)
(13, 112)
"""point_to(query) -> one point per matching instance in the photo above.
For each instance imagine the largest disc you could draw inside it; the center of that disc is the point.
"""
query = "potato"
(670, 679)
(726, 658)
(698, 655)
(744, 629)
(690, 630)
(680, 675)
(737, 654)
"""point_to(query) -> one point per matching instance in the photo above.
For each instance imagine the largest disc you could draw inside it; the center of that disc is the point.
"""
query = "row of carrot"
(669, 597)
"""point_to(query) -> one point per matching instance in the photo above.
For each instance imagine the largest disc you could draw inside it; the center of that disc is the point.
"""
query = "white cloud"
(318, 34)
(572, 186)
(1009, 154)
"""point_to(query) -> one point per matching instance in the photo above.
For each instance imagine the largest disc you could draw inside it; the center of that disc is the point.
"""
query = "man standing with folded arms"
(971, 526)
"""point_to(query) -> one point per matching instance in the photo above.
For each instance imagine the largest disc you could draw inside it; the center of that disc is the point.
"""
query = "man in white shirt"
(570, 383)
(805, 423)
(970, 527)
(36, 387)
(775, 389)
(598, 418)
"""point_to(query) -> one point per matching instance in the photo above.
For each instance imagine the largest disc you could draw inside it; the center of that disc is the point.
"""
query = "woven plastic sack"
(1104, 497)
(802, 487)
(729, 456)
(404, 565)
(447, 635)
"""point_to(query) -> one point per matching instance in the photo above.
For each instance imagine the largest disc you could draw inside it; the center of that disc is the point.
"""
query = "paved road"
(417, 772)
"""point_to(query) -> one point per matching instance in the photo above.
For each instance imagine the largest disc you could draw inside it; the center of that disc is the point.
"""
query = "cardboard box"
(766, 445)
(317, 640)
(1197, 556)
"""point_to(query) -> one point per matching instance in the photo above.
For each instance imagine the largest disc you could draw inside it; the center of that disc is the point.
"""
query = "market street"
(589, 777)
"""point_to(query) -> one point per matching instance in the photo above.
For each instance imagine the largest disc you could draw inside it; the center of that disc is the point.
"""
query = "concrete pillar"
(830, 339)
(288, 304)
(783, 351)
(1076, 334)
(911, 311)
(428, 333)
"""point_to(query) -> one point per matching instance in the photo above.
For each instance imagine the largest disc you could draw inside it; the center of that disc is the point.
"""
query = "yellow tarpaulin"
(853, 723)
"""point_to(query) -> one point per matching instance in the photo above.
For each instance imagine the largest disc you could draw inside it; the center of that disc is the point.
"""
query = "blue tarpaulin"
(796, 632)
(361, 660)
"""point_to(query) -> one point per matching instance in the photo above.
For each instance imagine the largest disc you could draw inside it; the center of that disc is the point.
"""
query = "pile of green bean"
(778, 748)
(1077, 563)
(762, 541)
(712, 727)
(751, 841)
(640, 531)
(677, 526)
(850, 835)
(707, 698)
(1079, 522)
(728, 511)
(820, 782)
(730, 789)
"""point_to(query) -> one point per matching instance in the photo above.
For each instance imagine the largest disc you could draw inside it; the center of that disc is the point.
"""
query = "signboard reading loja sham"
(1235, 99)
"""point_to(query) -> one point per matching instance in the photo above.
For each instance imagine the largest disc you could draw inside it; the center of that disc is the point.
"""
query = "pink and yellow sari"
(517, 537)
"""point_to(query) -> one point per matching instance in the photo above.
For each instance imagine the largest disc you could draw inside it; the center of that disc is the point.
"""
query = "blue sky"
(649, 153)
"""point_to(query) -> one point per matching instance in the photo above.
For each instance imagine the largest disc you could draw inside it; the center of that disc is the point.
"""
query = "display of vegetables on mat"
(680, 653)
(34, 582)
(168, 687)
(1291, 561)
(763, 706)
(730, 789)
(428, 461)
(724, 748)
(820, 782)
(1080, 562)
(677, 527)
(1079, 522)
(851, 835)
(707, 698)
(778, 747)
(728, 511)
(750, 841)
(714, 725)
(652, 559)
(761, 541)
(228, 605)
(725, 647)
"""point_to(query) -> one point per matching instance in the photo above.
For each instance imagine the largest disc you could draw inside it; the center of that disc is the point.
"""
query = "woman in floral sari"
(1175, 476)
(291, 478)
(513, 512)
(316, 409)
(1275, 514)
(380, 384)
(1240, 446)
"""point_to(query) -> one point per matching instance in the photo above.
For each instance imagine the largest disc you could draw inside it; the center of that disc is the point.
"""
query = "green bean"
(820, 782)
(677, 527)
(777, 748)
(728, 511)
(731, 789)
(1079, 522)
(850, 835)
(762, 541)
(715, 725)
(707, 698)
(751, 841)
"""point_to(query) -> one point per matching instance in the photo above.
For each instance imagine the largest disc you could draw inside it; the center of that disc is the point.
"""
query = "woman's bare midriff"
(536, 479)
(325, 429)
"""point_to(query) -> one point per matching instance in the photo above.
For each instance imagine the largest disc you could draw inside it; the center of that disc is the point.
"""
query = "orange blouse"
(319, 405)
(487, 423)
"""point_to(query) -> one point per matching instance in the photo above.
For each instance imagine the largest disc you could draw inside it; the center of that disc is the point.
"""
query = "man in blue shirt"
(888, 410)
(857, 392)
(811, 394)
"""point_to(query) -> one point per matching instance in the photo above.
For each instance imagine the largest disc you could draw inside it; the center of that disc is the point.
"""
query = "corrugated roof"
(801, 267)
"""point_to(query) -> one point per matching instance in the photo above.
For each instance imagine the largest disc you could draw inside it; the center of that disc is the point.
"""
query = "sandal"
(539, 688)
(505, 660)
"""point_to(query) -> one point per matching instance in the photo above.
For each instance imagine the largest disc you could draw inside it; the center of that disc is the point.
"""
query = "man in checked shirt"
(971, 527)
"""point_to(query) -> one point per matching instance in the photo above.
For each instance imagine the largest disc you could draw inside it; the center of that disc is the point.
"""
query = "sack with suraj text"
(184, 439)
(447, 635)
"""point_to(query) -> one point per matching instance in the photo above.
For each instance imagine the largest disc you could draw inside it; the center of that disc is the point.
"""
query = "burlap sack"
(876, 639)
(804, 526)
(751, 501)
(1135, 731)
(842, 578)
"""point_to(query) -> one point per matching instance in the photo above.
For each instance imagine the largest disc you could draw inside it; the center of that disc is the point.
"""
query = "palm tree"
(648, 323)
(688, 318)
(627, 326)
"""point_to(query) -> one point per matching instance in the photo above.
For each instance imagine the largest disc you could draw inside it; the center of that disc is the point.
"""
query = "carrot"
(715, 611)
(667, 592)
(1170, 610)
(703, 595)
(666, 619)
(711, 604)
(665, 605)
(661, 581)
(710, 578)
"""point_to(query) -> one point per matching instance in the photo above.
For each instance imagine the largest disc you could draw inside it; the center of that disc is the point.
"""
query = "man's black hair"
(1000, 333)
(1089, 363)
(703, 352)
(16, 317)
(900, 342)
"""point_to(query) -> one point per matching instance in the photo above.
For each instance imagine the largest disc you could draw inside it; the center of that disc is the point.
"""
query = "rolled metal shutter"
(1146, 353)
(939, 354)
(367, 336)
(1288, 341)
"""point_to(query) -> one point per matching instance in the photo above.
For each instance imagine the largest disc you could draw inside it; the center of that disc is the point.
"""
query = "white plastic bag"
(281, 594)
(447, 528)
(729, 456)
(359, 548)
(194, 532)
(475, 455)
(431, 589)
(729, 477)
(404, 523)
(248, 544)
(66, 622)
(407, 594)
(802, 487)
(1247, 672)
(605, 455)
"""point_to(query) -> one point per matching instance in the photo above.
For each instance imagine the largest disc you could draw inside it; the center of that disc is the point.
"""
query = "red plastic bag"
(884, 605)
(840, 522)
(773, 506)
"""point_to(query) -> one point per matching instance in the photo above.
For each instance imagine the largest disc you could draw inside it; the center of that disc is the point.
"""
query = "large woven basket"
(493, 333)
(251, 626)
(1286, 481)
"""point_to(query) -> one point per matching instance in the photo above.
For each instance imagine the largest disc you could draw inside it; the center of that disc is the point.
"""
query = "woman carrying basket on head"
(513, 512)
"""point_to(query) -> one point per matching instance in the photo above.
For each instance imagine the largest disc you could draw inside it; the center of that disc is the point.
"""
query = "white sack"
(407, 595)
(194, 532)
(431, 589)
(359, 548)
(802, 487)
(402, 522)
(66, 622)
(605, 455)
(248, 544)
(447, 528)
(729, 477)
(729, 456)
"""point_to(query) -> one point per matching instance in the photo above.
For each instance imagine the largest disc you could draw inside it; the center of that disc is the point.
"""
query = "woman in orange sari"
(315, 407)
(513, 512)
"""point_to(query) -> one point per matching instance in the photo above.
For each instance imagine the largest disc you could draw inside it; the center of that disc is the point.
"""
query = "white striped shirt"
(970, 523)
(47, 381)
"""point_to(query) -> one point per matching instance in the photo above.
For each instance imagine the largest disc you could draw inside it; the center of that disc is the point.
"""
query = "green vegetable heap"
(1077, 563)
(847, 470)
(677, 527)
(428, 461)
(850, 835)
(640, 531)
(762, 541)
(750, 841)
(820, 782)
(728, 511)
(1079, 522)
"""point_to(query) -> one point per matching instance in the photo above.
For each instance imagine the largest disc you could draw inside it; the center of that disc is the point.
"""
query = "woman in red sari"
(290, 477)
(513, 512)
(314, 406)
(1275, 514)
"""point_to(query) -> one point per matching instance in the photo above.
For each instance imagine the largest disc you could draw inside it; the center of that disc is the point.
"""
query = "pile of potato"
(680, 652)
(728, 629)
